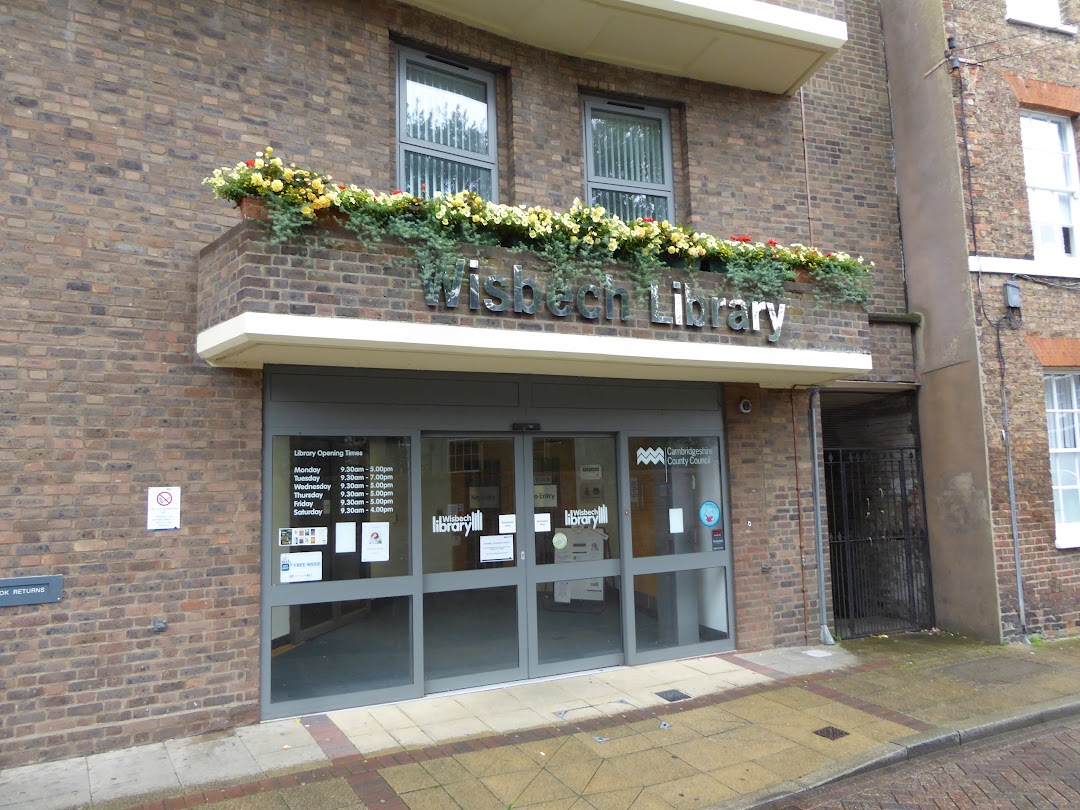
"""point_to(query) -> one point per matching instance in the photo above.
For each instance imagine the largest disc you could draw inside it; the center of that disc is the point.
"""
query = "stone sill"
(1060, 28)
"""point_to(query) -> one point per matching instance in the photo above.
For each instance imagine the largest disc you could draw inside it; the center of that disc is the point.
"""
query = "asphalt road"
(1031, 768)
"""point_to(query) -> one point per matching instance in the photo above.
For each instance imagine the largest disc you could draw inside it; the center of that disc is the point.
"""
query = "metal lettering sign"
(31, 590)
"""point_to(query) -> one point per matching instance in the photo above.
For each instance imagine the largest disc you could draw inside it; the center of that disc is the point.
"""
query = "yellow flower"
(288, 175)
(259, 163)
(276, 185)
(307, 211)
(269, 150)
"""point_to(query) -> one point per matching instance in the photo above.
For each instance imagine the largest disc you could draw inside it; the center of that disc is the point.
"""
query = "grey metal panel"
(391, 389)
(366, 697)
(622, 396)
(342, 590)
(556, 572)
(640, 566)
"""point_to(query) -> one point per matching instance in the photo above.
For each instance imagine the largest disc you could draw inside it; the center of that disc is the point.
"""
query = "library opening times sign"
(339, 482)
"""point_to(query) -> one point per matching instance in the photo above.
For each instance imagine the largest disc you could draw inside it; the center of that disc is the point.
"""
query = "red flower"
(249, 162)
(397, 191)
(828, 255)
(744, 238)
(647, 219)
(772, 243)
(341, 186)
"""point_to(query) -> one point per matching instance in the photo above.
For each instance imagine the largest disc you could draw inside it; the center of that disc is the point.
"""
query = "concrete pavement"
(736, 730)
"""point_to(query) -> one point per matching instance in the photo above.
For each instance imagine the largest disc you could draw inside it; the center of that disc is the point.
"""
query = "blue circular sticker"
(709, 513)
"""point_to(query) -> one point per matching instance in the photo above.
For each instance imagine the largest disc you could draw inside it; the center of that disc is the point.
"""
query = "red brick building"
(309, 394)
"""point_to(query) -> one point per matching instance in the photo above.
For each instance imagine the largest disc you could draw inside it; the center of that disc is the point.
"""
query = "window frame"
(405, 143)
(1020, 11)
(1066, 535)
(631, 109)
(1070, 186)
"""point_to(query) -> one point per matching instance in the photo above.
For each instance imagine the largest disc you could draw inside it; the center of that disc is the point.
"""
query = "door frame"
(307, 401)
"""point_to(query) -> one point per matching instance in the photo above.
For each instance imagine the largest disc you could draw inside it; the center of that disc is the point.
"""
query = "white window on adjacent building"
(1053, 188)
(446, 127)
(628, 159)
(1063, 426)
(1044, 13)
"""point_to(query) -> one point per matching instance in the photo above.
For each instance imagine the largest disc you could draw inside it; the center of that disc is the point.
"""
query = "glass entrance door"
(574, 587)
(473, 566)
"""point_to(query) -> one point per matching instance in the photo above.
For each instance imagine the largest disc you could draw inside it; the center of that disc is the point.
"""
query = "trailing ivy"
(572, 244)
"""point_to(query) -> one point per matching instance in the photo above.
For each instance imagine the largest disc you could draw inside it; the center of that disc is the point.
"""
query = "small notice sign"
(301, 566)
(375, 542)
(496, 548)
(162, 508)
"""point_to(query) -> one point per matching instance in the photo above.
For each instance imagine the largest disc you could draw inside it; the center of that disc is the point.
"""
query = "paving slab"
(117, 774)
(753, 726)
(59, 785)
(214, 760)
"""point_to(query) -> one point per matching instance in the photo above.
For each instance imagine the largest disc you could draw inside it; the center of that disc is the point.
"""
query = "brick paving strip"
(1032, 767)
(362, 773)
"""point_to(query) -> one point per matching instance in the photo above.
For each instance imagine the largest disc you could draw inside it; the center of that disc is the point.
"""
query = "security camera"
(745, 406)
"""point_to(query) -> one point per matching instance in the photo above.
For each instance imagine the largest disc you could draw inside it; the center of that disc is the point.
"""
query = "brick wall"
(329, 275)
(1028, 68)
(1051, 576)
(111, 116)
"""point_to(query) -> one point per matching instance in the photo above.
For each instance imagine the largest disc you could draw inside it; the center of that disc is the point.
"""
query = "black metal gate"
(879, 555)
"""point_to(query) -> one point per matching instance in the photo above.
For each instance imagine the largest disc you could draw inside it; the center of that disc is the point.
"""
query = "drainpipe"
(826, 636)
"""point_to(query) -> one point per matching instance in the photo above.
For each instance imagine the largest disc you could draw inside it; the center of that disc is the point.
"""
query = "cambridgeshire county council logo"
(651, 455)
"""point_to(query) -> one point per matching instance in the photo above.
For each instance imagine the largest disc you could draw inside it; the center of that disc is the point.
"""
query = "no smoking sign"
(162, 508)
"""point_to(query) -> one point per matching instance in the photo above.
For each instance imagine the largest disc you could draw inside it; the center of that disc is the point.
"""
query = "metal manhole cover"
(671, 695)
(831, 733)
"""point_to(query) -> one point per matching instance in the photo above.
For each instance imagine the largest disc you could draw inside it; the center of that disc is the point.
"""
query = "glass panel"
(468, 632)
(1063, 385)
(1070, 505)
(336, 648)
(446, 109)
(626, 147)
(578, 619)
(340, 508)
(466, 484)
(679, 608)
(575, 499)
(629, 206)
(427, 175)
(1063, 469)
(675, 496)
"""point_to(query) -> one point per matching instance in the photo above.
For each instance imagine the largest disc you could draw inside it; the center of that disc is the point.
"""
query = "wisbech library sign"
(523, 295)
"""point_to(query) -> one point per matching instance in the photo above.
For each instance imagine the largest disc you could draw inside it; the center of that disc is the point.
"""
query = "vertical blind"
(446, 110)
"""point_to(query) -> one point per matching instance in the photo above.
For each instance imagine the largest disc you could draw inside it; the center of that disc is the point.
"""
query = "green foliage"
(572, 244)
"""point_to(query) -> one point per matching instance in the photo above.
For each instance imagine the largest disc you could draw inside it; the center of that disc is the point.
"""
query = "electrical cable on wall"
(1013, 318)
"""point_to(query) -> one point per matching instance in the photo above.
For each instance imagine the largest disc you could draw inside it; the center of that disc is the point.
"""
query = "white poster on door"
(345, 538)
(374, 542)
(496, 548)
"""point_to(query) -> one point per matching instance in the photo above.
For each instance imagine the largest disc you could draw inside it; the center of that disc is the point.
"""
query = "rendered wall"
(955, 463)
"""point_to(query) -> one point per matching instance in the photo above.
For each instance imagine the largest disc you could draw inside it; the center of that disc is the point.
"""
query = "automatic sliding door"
(574, 583)
(472, 603)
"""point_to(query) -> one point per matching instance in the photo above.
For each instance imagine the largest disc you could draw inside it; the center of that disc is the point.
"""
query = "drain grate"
(671, 695)
(831, 733)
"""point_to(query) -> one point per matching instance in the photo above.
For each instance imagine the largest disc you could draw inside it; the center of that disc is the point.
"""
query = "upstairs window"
(1053, 189)
(1063, 426)
(628, 159)
(1045, 13)
(446, 127)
